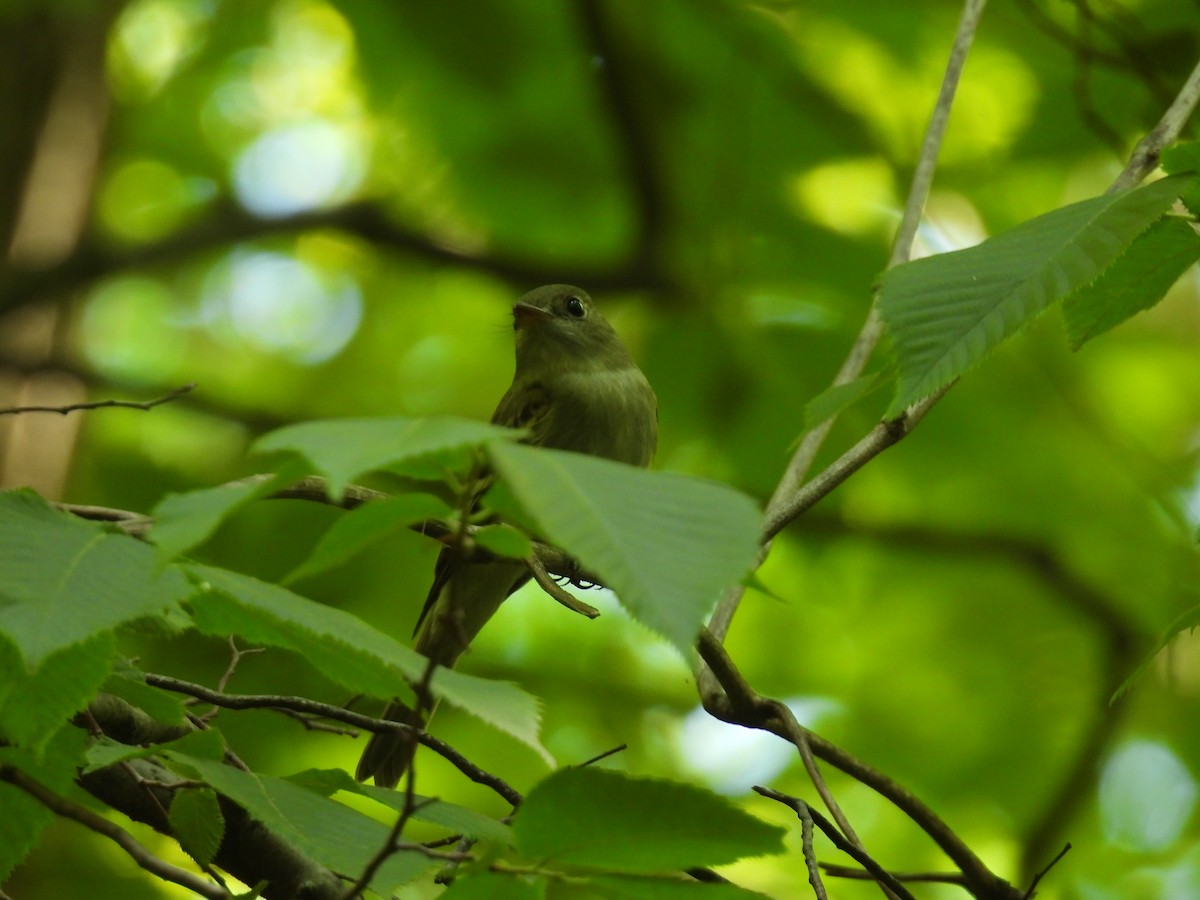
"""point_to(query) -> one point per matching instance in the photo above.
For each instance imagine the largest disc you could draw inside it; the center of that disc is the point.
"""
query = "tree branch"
(62, 807)
(101, 404)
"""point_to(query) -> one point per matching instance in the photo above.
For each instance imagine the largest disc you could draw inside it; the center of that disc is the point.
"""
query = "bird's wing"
(525, 405)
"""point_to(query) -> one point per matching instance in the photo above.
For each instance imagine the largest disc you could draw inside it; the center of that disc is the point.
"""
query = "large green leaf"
(35, 705)
(666, 544)
(1135, 282)
(351, 652)
(66, 580)
(360, 528)
(323, 829)
(598, 817)
(183, 521)
(344, 449)
(458, 819)
(946, 312)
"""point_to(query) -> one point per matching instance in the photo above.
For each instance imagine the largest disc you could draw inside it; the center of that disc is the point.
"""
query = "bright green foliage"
(596, 817)
(667, 545)
(344, 449)
(323, 829)
(366, 526)
(1134, 282)
(195, 816)
(182, 521)
(66, 581)
(945, 313)
(349, 651)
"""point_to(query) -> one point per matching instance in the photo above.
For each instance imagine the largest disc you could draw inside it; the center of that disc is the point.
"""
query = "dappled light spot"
(298, 167)
(1147, 796)
(732, 759)
(282, 305)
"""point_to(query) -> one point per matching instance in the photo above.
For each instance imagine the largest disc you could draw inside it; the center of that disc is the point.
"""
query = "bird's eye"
(575, 307)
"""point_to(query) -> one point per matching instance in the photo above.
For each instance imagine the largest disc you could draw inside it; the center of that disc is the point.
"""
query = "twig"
(851, 874)
(122, 838)
(338, 714)
(605, 755)
(810, 854)
(101, 404)
(557, 591)
(1029, 891)
(880, 874)
(1145, 154)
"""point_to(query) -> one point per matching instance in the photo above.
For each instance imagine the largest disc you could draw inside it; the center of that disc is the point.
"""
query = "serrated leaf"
(343, 449)
(128, 684)
(323, 829)
(496, 886)
(370, 523)
(105, 752)
(835, 399)
(666, 544)
(66, 580)
(597, 817)
(1134, 282)
(197, 823)
(458, 819)
(183, 521)
(1181, 158)
(1187, 621)
(351, 652)
(631, 887)
(504, 540)
(34, 705)
(945, 313)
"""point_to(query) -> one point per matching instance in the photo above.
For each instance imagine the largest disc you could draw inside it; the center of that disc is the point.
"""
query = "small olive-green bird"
(575, 388)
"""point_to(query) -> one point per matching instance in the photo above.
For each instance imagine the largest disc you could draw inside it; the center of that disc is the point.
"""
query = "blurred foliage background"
(322, 208)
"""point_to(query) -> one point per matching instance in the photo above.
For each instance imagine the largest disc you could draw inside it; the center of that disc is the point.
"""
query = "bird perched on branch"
(575, 388)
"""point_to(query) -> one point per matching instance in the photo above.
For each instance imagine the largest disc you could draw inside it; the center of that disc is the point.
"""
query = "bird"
(575, 387)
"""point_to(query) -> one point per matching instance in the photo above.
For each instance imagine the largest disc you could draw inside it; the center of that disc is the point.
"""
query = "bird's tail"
(388, 756)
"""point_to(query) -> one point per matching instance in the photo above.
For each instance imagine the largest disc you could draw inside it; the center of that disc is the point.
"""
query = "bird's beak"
(524, 315)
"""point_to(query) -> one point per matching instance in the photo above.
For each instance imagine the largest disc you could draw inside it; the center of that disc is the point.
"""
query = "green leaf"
(66, 580)
(666, 544)
(127, 683)
(351, 652)
(344, 449)
(632, 887)
(835, 399)
(197, 822)
(496, 886)
(1189, 620)
(458, 819)
(947, 312)
(184, 521)
(1135, 282)
(504, 540)
(598, 817)
(1181, 158)
(105, 752)
(323, 829)
(370, 523)
(34, 705)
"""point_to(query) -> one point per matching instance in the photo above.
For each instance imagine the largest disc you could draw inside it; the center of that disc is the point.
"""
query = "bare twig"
(337, 714)
(1037, 879)
(854, 874)
(1145, 154)
(557, 591)
(810, 854)
(122, 838)
(801, 808)
(101, 404)
(620, 748)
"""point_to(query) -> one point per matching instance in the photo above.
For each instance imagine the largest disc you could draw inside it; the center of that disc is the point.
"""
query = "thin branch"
(810, 854)
(338, 714)
(557, 591)
(1145, 154)
(620, 748)
(1029, 891)
(801, 808)
(852, 874)
(101, 404)
(122, 838)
